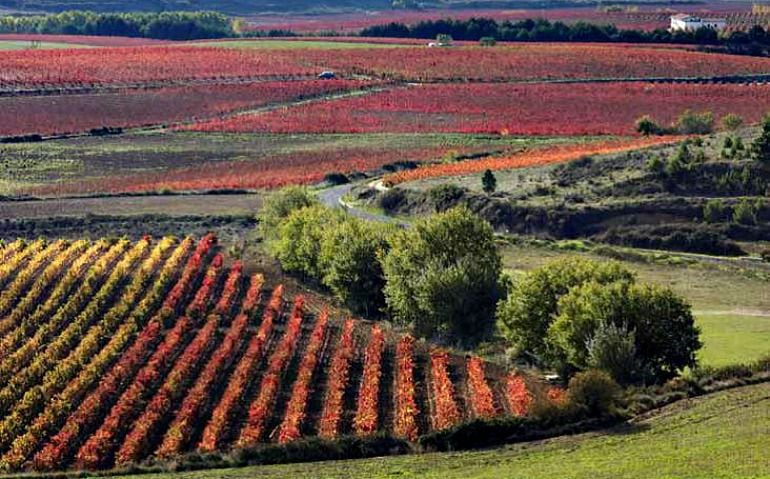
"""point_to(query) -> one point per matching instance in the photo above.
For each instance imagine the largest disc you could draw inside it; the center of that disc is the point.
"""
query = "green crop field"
(723, 435)
(22, 45)
(296, 44)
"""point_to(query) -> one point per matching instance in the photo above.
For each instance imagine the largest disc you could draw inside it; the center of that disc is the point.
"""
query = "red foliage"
(268, 389)
(140, 107)
(300, 167)
(479, 393)
(513, 109)
(295, 410)
(446, 413)
(518, 395)
(139, 441)
(535, 157)
(191, 270)
(406, 407)
(557, 395)
(222, 418)
(201, 300)
(230, 290)
(58, 449)
(339, 368)
(368, 395)
(97, 450)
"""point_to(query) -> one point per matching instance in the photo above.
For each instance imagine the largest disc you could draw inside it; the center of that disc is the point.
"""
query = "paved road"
(332, 197)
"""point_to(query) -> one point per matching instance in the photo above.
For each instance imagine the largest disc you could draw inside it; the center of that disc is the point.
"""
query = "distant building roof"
(682, 16)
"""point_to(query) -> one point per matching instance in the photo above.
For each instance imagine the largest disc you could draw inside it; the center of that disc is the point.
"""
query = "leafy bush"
(445, 196)
(746, 211)
(612, 348)
(760, 148)
(714, 211)
(732, 122)
(692, 123)
(595, 392)
(648, 127)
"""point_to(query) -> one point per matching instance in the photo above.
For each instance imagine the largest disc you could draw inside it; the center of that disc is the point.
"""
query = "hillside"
(113, 352)
(720, 435)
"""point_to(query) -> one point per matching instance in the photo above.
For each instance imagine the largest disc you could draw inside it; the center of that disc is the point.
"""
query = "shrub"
(336, 178)
(595, 392)
(746, 211)
(765, 255)
(732, 122)
(760, 148)
(692, 123)
(714, 211)
(445, 196)
(487, 41)
(489, 182)
(612, 348)
(648, 127)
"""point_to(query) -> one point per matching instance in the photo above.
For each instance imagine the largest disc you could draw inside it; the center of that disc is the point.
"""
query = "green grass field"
(296, 44)
(723, 435)
(22, 45)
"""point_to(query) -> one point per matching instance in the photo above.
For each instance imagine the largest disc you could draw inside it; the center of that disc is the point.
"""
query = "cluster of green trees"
(439, 277)
(443, 279)
(164, 25)
(577, 314)
(541, 30)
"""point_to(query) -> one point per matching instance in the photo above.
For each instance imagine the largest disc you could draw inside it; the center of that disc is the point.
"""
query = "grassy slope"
(721, 435)
(731, 306)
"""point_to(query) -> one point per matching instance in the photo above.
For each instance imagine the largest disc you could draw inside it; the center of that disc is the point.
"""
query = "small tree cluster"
(440, 277)
(577, 314)
(687, 123)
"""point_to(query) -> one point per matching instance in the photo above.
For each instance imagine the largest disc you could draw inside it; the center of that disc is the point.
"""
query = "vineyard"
(114, 353)
(95, 67)
(515, 109)
(534, 157)
(21, 115)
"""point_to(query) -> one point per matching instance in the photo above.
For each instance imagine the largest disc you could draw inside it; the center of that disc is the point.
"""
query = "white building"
(688, 23)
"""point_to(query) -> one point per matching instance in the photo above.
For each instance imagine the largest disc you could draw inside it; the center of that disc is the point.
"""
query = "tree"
(350, 263)
(648, 127)
(760, 148)
(280, 205)
(298, 242)
(731, 122)
(526, 314)
(665, 335)
(489, 182)
(442, 277)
